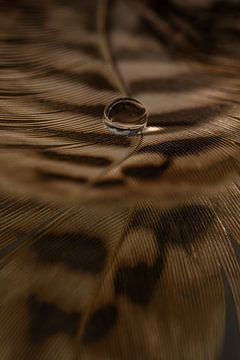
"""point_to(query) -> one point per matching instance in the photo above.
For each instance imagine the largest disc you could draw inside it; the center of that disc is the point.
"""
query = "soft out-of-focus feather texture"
(115, 247)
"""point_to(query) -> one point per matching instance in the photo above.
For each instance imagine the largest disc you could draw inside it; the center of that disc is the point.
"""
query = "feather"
(118, 247)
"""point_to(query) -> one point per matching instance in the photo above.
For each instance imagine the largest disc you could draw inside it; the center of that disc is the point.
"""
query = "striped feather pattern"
(119, 247)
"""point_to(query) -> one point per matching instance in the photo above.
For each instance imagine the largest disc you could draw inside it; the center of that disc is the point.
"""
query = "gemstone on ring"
(125, 116)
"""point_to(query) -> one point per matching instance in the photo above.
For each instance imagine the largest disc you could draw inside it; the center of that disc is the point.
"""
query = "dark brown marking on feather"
(10, 93)
(17, 40)
(50, 176)
(90, 110)
(231, 344)
(78, 159)
(89, 137)
(93, 79)
(137, 283)
(13, 65)
(25, 8)
(109, 183)
(88, 48)
(147, 172)
(236, 246)
(180, 83)
(76, 250)
(37, 147)
(182, 226)
(48, 319)
(100, 323)
(183, 147)
(186, 117)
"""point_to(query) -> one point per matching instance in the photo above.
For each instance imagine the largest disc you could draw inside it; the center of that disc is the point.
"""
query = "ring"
(125, 116)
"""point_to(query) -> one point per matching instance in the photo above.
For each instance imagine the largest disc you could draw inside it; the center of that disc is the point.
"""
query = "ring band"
(125, 116)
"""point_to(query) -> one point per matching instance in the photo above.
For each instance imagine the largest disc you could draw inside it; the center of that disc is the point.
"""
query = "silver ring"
(125, 116)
